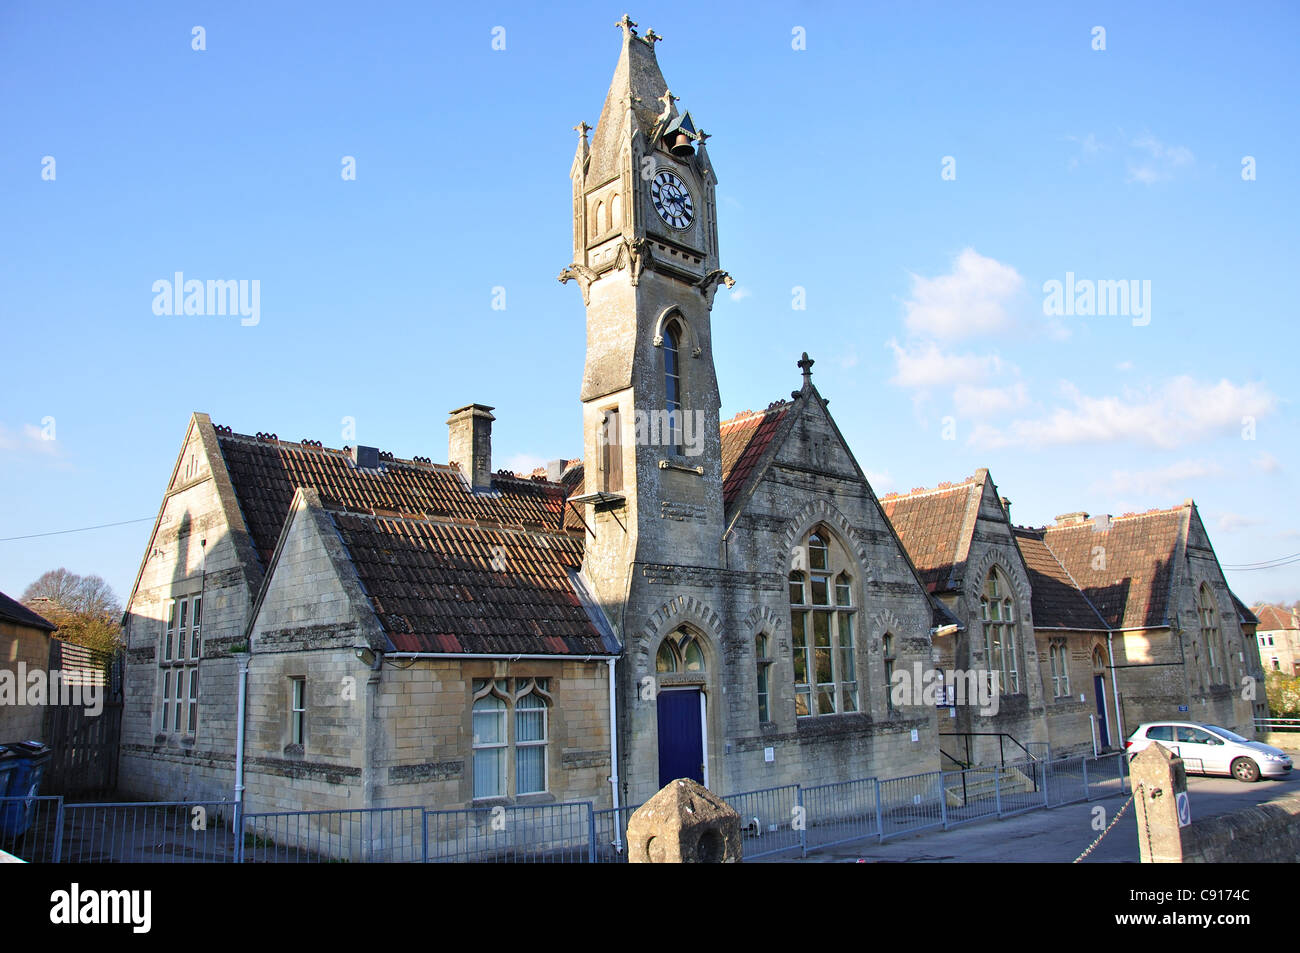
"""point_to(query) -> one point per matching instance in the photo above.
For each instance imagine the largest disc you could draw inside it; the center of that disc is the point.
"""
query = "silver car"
(1209, 749)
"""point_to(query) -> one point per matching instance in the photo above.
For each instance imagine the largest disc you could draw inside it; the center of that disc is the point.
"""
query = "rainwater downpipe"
(1114, 688)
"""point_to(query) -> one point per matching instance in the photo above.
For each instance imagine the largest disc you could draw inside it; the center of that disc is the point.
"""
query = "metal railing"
(504, 834)
(1277, 724)
(155, 832)
(774, 821)
(387, 835)
(32, 828)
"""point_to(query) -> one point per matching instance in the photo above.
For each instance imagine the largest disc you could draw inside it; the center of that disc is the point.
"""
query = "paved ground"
(1057, 835)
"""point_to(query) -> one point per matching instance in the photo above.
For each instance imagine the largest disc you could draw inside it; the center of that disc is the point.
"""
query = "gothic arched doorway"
(681, 703)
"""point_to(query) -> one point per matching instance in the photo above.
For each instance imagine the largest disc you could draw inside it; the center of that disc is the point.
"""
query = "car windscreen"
(1230, 735)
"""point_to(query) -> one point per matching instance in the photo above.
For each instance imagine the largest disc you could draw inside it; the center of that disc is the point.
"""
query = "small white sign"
(916, 735)
(769, 755)
(1184, 809)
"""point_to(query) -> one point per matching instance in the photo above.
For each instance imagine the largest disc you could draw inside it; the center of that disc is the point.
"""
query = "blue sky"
(924, 294)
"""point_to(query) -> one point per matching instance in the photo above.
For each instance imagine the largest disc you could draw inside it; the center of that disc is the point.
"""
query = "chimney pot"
(1071, 519)
(469, 443)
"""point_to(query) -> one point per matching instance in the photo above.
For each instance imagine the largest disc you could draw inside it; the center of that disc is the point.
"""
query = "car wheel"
(1244, 769)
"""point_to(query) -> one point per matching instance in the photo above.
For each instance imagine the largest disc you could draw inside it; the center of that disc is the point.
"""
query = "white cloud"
(740, 293)
(1231, 522)
(971, 299)
(1266, 462)
(28, 442)
(1124, 366)
(1160, 481)
(1158, 160)
(986, 401)
(926, 366)
(1180, 410)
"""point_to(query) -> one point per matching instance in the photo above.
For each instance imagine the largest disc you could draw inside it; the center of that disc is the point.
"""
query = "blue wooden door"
(1099, 689)
(681, 746)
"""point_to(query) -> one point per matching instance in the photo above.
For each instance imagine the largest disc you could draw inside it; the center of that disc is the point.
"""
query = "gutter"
(499, 657)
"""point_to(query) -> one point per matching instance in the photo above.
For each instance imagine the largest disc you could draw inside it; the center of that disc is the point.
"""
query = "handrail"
(1000, 735)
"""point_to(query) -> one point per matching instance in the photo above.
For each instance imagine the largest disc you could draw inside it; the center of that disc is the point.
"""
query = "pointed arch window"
(511, 720)
(822, 612)
(1001, 655)
(616, 211)
(679, 652)
(1210, 634)
(887, 644)
(673, 385)
(764, 663)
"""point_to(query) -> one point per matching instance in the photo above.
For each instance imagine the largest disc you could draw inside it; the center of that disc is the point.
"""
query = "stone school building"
(726, 600)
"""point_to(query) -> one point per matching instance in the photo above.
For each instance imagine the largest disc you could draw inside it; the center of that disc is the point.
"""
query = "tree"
(85, 608)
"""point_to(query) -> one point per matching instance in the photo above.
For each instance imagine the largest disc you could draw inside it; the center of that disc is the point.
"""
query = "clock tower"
(645, 255)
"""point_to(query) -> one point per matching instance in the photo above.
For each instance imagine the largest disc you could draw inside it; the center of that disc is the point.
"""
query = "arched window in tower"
(673, 387)
(887, 644)
(997, 610)
(599, 220)
(616, 211)
(764, 663)
(822, 614)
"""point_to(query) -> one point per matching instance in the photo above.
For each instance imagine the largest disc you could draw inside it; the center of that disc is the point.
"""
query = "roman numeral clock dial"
(672, 199)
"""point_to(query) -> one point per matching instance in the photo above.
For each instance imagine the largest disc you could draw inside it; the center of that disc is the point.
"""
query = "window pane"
(822, 629)
(801, 701)
(530, 719)
(489, 772)
(816, 552)
(797, 628)
(851, 696)
(796, 588)
(665, 659)
(822, 660)
(821, 591)
(489, 721)
(693, 658)
(185, 607)
(530, 770)
(842, 592)
(825, 699)
(801, 666)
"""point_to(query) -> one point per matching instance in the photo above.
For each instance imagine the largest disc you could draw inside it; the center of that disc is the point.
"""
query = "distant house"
(24, 647)
(1277, 638)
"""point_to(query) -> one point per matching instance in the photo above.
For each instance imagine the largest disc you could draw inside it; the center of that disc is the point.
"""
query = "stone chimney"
(1071, 519)
(555, 470)
(469, 443)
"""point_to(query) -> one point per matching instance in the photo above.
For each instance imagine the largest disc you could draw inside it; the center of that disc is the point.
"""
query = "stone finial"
(805, 364)
(685, 823)
(651, 38)
(582, 129)
(628, 27)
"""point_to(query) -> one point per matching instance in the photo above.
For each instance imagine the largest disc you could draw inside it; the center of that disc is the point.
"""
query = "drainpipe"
(1114, 690)
(242, 658)
(613, 753)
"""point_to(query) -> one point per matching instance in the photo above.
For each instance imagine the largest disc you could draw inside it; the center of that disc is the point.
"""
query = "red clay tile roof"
(744, 438)
(1131, 588)
(1057, 602)
(929, 523)
(11, 610)
(447, 587)
(266, 472)
(1275, 618)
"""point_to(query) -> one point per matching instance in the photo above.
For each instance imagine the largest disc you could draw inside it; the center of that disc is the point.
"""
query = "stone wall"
(20, 645)
(1265, 833)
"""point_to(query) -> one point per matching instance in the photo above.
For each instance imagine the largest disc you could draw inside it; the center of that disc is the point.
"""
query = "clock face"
(672, 199)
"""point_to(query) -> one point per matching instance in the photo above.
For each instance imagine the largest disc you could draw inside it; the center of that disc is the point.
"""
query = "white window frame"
(179, 654)
(842, 688)
(510, 692)
(298, 710)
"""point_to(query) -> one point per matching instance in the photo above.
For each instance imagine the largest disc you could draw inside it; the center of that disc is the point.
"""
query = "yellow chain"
(1114, 821)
